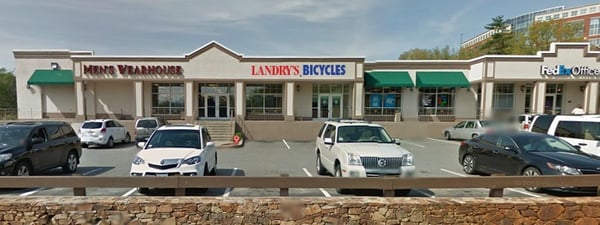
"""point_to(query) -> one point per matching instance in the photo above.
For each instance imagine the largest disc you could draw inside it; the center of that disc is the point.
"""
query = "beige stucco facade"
(214, 82)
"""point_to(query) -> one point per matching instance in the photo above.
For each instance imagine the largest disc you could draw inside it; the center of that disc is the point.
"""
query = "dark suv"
(30, 147)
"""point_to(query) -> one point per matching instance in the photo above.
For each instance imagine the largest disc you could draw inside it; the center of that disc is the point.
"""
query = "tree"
(8, 91)
(436, 53)
(500, 42)
(541, 34)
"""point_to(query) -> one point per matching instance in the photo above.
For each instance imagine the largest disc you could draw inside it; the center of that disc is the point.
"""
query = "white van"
(581, 131)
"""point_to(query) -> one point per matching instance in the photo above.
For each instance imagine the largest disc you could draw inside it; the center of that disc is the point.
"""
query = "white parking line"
(410, 143)
(509, 189)
(444, 141)
(91, 171)
(129, 192)
(286, 144)
(228, 190)
(423, 193)
(322, 190)
(32, 192)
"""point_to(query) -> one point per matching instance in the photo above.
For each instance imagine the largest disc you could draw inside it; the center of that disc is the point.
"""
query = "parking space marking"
(322, 190)
(423, 193)
(444, 141)
(228, 190)
(32, 192)
(129, 192)
(410, 143)
(508, 189)
(286, 144)
(90, 172)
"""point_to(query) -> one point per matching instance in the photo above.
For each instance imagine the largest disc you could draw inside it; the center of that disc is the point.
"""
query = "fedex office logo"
(562, 70)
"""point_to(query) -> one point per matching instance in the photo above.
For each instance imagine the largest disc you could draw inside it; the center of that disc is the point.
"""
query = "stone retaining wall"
(336, 210)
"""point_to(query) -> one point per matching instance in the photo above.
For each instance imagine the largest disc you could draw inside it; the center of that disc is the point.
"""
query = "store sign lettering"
(562, 70)
(132, 70)
(299, 70)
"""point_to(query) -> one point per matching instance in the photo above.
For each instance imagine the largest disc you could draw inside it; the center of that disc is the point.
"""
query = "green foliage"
(239, 134)
(541, 34)
(8, 91)
(436, 53)
(500, 42)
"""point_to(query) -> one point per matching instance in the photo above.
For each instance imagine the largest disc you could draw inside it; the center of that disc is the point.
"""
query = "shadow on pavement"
(199, 191)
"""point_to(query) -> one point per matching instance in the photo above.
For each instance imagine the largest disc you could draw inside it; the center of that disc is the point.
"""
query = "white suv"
(104, 132)
(172, 150)
(581, 131)
(354, 148)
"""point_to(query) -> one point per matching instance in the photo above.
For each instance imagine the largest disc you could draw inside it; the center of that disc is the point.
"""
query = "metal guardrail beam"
(494, 183)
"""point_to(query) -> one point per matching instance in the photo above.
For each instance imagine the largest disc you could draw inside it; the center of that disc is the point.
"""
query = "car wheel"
(447, 135)
(402, 192)
(338, 173)
(23, 169)
(320, 169)
(474, 136)
(70, 165)
(468, 164)
(110, 143)
(532, 171)
(127, 139)
(213, 172)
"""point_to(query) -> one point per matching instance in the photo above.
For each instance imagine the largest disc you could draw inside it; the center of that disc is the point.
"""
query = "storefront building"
(216, 83)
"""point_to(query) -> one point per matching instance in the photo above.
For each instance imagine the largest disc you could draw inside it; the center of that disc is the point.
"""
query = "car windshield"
(174, 139)
(349, 134)
(543, 144)
(147, 124)
(14, 135)
(91, 125)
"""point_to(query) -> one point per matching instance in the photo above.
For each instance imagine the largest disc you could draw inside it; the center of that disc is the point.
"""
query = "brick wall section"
(268, 210)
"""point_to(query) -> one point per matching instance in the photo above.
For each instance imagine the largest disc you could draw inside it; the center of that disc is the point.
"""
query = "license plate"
(162, 174)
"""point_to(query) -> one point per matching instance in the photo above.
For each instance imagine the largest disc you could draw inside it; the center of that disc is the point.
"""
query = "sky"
(375, 29)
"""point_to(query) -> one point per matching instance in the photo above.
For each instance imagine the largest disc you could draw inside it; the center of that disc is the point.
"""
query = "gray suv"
(145, 126)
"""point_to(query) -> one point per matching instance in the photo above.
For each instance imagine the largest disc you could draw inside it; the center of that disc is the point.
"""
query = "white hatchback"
(105, 132)
(172, 150)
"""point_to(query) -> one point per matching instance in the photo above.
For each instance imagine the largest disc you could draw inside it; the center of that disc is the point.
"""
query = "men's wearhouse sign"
(562, 70)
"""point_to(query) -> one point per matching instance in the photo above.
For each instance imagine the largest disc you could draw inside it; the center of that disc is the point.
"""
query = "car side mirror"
(328, 141)
(510, 148)
(578, 147)
(141, 144)
(397, 141)
(37, 140)
(210, 144)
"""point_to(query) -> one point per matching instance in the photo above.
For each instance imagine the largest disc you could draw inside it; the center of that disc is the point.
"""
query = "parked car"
(28, 148)
(185, 150)
(580, 130)
(527, 154)
(145, 126)
(105, 132)
(468, 129)
(350, 148)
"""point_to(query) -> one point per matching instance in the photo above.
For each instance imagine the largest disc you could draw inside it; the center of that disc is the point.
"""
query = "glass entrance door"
(330, 106)
(552, 104)
(216, 107)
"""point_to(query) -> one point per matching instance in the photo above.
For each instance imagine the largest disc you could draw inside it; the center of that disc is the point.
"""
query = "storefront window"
(330, 101)
(553, 99)
(503, 98)
(216, 101)
(436, 101)
(381, 104)
(167, 99)
(264, 101)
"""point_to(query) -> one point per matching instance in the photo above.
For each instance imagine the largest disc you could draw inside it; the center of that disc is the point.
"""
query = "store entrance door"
(330, 106)
(217, 106)
(552, 104)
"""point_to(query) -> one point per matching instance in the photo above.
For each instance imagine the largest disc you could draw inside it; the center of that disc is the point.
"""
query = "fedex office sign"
(562, 70)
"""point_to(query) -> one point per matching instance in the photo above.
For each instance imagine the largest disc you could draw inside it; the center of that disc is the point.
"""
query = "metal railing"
(387, 184)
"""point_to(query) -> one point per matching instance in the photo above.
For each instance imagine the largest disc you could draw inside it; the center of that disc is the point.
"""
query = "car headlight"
(192, 161)
(137, 161)
(5, 157)
(407, 160)
(354, 159)
(564, 169)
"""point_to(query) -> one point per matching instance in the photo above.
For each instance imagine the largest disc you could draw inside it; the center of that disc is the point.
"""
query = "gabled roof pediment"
(210, 45)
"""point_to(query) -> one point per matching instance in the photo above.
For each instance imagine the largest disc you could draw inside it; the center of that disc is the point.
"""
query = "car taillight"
(526, 126)
(103, 130)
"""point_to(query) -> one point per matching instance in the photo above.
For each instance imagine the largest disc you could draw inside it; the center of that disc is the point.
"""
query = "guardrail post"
(598, 191)
(496, 192)
(78, 191)
(388, 192)
(178, 190)
(284, 191)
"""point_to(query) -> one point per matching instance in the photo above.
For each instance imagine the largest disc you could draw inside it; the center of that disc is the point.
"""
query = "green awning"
(388, 79)
(41, 77)
(442, 79)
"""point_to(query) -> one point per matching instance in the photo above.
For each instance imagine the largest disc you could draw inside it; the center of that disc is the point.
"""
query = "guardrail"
(496, 184)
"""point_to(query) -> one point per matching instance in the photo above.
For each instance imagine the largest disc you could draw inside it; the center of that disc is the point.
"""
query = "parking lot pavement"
(433, 158)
